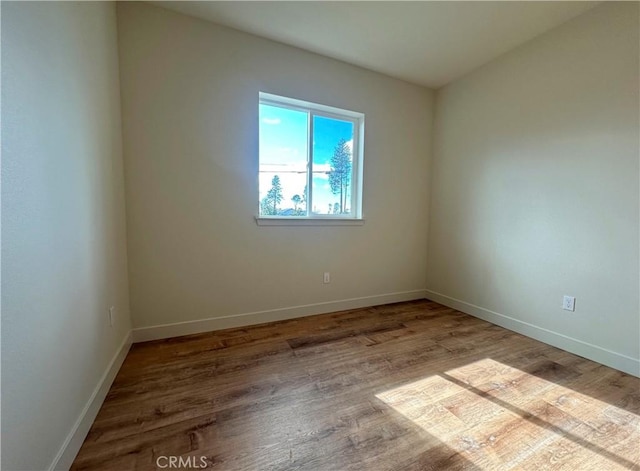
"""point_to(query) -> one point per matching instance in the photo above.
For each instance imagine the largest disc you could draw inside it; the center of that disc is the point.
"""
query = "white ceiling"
(428, 43)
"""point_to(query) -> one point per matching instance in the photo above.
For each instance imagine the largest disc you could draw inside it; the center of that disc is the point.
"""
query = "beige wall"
(190, 103)
(534, 193)
(535, 188)
(63, 225)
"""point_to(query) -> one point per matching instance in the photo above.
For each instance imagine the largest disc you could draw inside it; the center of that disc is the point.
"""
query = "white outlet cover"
(569, 303)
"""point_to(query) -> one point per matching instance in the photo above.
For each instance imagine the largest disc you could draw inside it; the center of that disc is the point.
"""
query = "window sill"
(290, 221)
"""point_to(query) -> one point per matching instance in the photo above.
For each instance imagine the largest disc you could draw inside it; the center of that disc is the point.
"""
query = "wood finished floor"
(408, 386)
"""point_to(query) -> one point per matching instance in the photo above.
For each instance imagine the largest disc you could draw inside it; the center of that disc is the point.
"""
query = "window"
(310, 165)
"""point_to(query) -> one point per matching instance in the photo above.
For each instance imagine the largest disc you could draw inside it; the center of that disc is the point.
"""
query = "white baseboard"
(143, 334)
(71, 446)
(592, 352)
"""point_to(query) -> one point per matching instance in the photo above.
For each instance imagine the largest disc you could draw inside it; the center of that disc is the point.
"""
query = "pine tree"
(269, 204)
(340, 174)
(274, 195)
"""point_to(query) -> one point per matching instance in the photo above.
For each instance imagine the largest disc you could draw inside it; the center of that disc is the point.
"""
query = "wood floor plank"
(406, 386)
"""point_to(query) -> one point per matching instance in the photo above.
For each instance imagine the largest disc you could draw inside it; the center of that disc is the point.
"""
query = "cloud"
(349, 145)
(292, 182)
(321, 171)
(271, 121)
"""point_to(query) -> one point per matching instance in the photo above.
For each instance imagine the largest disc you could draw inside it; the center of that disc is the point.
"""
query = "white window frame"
(357, 159)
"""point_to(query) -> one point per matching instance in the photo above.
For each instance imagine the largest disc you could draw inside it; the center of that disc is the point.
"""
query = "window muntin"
(310, 161)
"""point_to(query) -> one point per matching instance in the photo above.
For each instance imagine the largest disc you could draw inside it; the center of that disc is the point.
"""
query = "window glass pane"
(283, 161)
(332, 165)
(283, 194)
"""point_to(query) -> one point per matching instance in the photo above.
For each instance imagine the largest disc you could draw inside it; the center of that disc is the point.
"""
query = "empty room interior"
(320, 235)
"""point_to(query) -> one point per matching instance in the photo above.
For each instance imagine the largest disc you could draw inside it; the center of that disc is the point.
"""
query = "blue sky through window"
(283, 152)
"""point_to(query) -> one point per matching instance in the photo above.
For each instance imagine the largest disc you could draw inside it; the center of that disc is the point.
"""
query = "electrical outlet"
(327, 277)
(569, 303)
(111, 317)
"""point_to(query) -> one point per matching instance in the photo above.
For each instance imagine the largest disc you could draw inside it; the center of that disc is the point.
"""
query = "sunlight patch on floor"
(499, 417)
